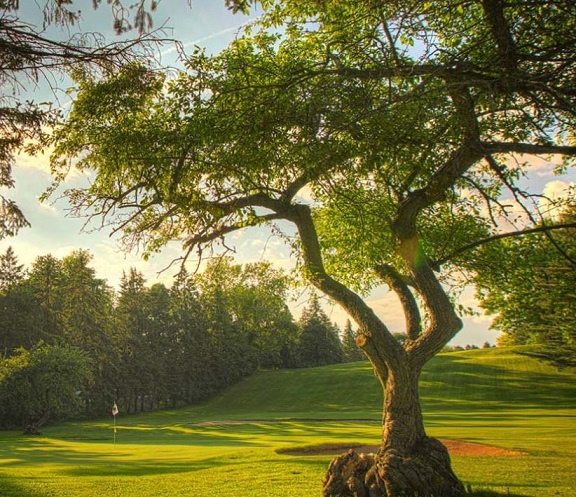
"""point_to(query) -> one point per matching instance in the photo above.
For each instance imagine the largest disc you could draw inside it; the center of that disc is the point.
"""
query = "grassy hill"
(229, 446)
(469, 380)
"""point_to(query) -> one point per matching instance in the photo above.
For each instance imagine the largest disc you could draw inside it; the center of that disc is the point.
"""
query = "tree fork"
(409, 464)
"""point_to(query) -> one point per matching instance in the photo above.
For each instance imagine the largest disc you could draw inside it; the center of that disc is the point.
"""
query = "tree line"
(70, 344)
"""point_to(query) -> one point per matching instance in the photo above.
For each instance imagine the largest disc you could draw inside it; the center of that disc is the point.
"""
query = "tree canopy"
(32, 58)
(384, 133)
(533, 294)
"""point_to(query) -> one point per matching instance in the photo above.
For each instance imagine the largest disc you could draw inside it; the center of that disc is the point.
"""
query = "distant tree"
(159, 344)
(260, 301)
(191, 359)
(350, 350)
(234, 354)
(46, 383)
(319, 340)
(135, 378)
(17, 309)
(86, 305)
(11, 272)
(46, 280)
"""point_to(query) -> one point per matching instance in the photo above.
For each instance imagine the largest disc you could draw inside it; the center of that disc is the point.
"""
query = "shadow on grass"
(78, 463)
(149, 468)
(10, 488)
(453, 383)
(240, 434)
(491, 493)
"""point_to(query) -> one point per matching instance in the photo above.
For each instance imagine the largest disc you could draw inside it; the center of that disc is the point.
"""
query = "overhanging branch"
(527, 148)
(484, 241)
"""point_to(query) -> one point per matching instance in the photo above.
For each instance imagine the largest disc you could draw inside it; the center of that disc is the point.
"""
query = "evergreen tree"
(350, 350)
(86, 319)
(134, 379)
(319, 341)
(46, 280)
(158, 344)
(11, 272)
(18, 316)
(234, 356)
(192, 366)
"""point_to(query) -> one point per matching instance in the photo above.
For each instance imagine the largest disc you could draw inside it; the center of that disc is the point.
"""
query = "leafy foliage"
(532, 294)
(42, 384)
(29, 56)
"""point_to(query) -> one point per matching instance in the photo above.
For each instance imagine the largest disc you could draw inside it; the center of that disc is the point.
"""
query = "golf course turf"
(508, 419)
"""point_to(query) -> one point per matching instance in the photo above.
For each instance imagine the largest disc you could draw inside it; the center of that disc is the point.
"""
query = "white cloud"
(40, 162)
(558, 189)
(48, 208)
(555, 192)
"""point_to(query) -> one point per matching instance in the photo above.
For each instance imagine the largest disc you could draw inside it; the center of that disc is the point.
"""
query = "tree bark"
(409, 463)
(34, 427)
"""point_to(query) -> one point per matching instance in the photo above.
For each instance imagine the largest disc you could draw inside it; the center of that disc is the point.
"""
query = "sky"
(205, 23)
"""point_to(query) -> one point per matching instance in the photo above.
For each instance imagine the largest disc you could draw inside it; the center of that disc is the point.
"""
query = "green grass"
(228, 447)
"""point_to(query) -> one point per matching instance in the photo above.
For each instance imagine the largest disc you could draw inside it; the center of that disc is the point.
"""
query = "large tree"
(383, 133)
(41, 385)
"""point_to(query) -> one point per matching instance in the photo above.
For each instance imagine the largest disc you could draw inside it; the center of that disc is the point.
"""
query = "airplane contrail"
(209, 37)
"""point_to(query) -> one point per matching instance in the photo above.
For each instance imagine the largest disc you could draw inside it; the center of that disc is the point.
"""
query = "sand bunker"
(455, 447)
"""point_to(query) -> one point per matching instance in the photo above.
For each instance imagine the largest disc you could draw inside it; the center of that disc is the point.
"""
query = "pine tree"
(351, 351)
(319, 341)
(10, 271)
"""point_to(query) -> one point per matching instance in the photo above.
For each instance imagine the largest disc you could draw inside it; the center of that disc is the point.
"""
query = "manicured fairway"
(228, 447)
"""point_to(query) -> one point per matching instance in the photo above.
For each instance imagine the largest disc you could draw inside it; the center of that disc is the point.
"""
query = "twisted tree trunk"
(409, 464)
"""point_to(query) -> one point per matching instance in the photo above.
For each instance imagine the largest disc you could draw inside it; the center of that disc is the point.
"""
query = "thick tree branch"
(409, 305)
(494, 13)
(527, 148)
(443, 320)
(445, 177)
(464, 157)
(378, 340)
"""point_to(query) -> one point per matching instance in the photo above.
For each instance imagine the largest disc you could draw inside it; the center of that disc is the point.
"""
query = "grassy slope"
(491, 396)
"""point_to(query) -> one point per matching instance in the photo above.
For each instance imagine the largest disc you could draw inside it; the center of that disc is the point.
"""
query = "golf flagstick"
(114, 413)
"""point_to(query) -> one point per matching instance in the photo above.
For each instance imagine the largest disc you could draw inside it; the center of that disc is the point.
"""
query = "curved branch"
(444, 323)
(462, 159)
(378, 340)
(409, 305)
(484, 241)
